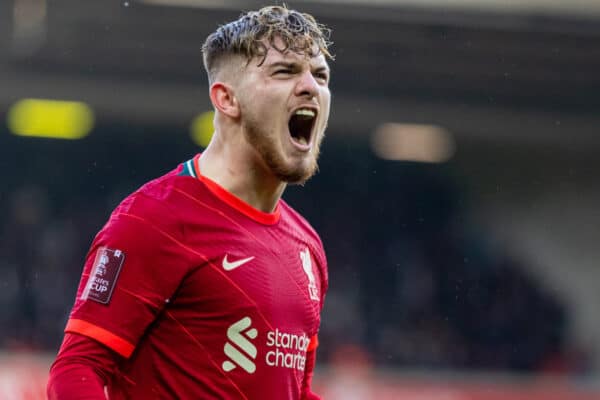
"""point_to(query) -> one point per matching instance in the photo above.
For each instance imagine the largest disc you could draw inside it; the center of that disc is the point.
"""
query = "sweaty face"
(284, 111)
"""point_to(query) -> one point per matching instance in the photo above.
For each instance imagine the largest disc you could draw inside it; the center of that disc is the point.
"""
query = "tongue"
(301, 140)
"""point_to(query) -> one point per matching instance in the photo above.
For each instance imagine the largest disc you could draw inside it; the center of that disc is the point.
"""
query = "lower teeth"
(302, 140)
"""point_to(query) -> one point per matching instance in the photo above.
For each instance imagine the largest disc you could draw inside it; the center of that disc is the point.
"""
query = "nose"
(307, 86)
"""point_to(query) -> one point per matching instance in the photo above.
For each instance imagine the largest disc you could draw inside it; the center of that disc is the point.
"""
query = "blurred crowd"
(41, 256)
(413, 281)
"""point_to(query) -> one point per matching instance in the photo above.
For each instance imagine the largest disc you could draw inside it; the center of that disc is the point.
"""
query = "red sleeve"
(321, 259)
(311, 352)
(134, 266)
(81, 370)
(309, 366)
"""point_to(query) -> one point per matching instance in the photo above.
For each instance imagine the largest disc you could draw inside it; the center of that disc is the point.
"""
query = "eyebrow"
(285, 64)
(294, 64)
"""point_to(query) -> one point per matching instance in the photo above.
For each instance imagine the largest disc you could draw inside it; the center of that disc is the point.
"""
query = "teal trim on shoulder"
(187, 170)
(190, 165)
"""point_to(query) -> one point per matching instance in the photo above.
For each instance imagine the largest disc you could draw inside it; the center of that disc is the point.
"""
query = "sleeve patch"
(104, 274)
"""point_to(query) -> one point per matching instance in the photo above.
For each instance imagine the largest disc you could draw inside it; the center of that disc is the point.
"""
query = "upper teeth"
(305, 112)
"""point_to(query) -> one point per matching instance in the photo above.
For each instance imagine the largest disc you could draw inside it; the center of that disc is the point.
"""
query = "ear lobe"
(224, 100)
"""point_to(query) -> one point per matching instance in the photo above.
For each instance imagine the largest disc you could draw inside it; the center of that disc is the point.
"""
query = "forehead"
(274, 56)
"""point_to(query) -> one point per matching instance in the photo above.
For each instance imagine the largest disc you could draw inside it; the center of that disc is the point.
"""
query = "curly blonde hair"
(299, 32)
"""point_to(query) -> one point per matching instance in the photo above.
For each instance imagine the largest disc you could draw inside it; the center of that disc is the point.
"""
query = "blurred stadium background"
(458, 196)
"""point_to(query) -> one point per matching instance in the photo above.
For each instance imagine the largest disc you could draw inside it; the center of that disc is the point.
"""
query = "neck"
(241, 172)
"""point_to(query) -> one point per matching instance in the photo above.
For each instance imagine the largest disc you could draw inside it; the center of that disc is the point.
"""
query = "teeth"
(305, 112)
(302, 140)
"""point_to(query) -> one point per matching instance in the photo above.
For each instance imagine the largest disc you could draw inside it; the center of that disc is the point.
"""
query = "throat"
(251, 184)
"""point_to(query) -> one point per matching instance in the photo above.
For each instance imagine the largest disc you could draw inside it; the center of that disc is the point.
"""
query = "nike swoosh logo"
(231, 265)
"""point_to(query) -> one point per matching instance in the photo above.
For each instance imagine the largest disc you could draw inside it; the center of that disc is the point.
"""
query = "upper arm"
(134, 266)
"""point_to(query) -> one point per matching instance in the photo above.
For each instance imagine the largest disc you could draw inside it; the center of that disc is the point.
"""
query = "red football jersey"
(204, 296)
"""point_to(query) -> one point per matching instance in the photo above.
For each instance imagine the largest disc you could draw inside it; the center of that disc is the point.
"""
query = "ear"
(224, 100)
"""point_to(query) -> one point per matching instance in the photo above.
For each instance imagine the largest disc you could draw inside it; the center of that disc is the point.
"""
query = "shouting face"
(284, 102)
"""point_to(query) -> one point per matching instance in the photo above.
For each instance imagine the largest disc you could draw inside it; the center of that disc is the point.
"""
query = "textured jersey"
(204, 296)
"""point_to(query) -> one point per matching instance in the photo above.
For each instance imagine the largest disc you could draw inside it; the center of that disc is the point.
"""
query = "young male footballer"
(204, 283)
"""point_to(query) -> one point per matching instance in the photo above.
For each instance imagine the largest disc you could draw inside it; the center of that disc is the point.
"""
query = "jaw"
(286, 159)
(301, 160)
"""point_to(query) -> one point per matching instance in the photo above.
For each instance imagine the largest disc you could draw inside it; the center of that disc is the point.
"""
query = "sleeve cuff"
(107, 338)
(314, 343)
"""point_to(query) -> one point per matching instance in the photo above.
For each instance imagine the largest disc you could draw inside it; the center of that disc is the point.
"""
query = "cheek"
(325, 110)
(265, 103)
(326, 99)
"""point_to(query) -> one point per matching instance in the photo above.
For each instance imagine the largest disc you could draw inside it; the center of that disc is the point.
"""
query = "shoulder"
(299, 224)
(160, 204)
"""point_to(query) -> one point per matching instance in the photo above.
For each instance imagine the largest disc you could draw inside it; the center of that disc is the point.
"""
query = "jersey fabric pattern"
(214, 299)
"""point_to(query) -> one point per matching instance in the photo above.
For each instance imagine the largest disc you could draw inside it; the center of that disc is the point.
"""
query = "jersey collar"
(240, 205)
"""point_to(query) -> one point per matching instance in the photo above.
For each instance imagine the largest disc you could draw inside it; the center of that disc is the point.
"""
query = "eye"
(283, 71)
(322, 76)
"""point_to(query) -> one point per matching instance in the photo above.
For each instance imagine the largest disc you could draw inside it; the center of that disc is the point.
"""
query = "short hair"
(246, 36)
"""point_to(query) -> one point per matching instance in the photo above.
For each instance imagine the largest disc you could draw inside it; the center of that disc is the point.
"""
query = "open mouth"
(301, 125)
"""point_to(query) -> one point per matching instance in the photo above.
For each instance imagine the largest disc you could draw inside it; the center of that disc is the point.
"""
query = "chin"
(286, 164)
(299, 174)
(302, 169)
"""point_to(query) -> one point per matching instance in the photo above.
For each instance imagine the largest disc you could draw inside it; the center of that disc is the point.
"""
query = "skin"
(251, 153)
